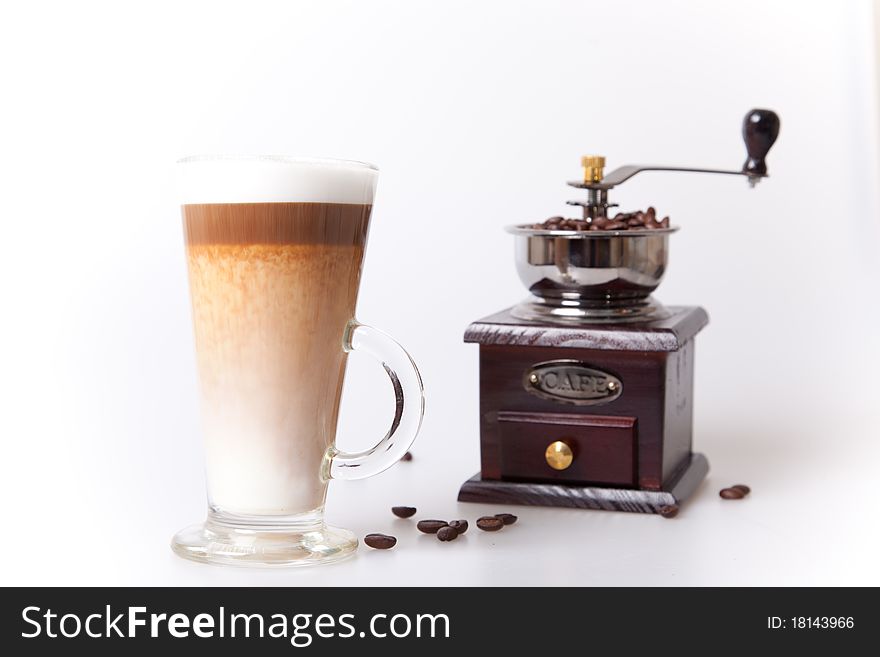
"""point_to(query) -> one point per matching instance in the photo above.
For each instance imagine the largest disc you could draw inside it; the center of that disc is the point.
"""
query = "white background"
(476, 113)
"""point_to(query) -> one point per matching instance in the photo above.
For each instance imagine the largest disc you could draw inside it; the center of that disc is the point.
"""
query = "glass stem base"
(263, 542)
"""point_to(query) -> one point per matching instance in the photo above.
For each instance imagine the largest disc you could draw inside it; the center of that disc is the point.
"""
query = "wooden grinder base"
(628, 451)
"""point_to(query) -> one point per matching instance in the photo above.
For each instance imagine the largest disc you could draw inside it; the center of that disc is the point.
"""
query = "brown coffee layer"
(276, 223)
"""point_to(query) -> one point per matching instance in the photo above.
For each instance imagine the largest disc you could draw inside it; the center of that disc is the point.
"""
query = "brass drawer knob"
(559, 455)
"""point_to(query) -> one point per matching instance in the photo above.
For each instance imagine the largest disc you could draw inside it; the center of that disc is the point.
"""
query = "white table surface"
(811, 519)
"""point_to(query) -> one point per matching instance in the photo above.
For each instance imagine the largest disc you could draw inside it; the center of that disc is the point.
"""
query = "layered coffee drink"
(274, 247)
(274, 283)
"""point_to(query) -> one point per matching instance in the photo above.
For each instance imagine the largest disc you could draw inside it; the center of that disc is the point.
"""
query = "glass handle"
(409, 399)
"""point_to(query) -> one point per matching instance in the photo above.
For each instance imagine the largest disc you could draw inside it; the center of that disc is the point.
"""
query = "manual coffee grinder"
(586, 388)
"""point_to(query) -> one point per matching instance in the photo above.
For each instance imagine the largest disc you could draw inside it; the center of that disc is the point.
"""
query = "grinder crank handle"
(760, 129)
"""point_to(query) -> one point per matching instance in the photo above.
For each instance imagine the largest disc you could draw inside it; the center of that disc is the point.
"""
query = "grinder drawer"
(583, 449)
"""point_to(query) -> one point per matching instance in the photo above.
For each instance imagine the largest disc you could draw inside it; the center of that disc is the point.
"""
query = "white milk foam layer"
(274, 179)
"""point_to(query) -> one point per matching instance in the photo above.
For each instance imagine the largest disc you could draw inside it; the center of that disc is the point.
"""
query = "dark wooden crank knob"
(760, 129)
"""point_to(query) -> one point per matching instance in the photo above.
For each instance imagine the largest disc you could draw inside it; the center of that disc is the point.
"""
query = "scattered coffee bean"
(406, 457)
(447, 533)
(731, 494)
(668, 510)
(616, 225)
(380, 541)
(403, 511)
(506, 518)
(743, 488)
(490, 523)
(431, 526)
(461, 526)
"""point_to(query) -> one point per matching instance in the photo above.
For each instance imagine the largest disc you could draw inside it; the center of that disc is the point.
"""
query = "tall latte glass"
(274, 248)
